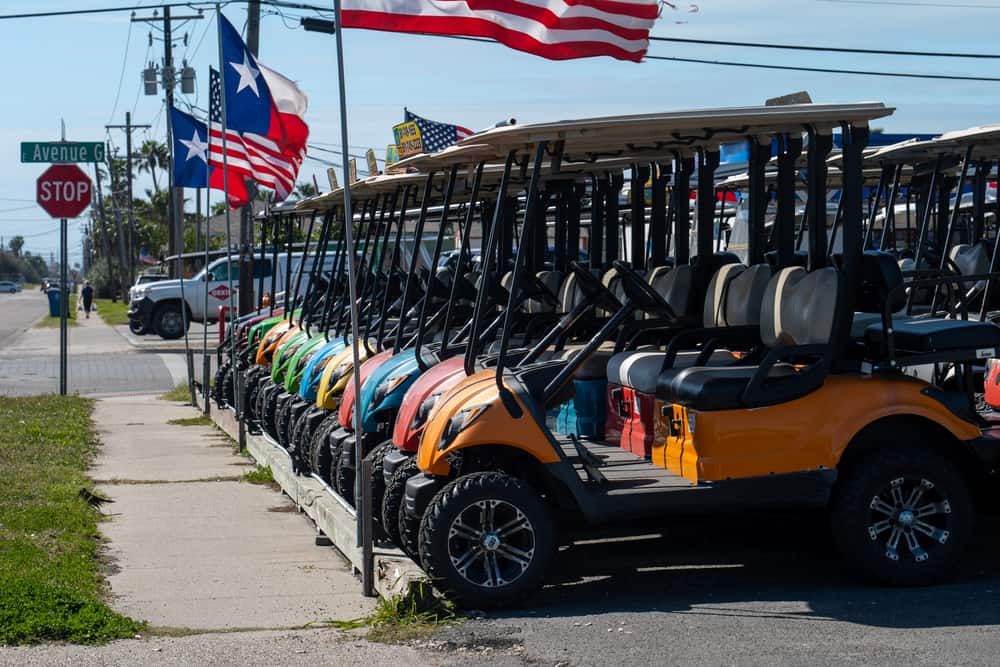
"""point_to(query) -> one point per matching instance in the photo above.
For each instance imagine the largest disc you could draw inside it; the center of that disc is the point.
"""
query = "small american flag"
(434, 135)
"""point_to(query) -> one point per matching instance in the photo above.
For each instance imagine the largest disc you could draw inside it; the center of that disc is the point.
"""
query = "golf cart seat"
(970, 259)
(947, 339)
(552, 281)
(797, 311)
(733, 299)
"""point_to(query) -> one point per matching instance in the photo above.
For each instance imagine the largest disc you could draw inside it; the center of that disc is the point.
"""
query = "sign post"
(63, 191)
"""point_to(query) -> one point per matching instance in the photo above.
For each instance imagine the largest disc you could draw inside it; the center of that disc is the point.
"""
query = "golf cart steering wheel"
(594, 289)
(641, 292)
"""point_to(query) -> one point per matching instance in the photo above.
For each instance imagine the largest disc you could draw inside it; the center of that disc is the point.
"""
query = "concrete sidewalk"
(101, 362)
(196, 547)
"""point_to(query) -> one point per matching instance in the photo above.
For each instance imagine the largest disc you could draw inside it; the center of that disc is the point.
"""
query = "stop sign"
(63, 190)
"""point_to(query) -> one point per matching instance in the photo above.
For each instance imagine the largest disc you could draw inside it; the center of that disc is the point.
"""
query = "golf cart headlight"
(387, 387)
(424, 411)
(340, 372)
(461, 421)
(691, 422)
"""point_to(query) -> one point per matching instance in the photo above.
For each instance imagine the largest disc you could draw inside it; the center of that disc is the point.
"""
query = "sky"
(86, 71)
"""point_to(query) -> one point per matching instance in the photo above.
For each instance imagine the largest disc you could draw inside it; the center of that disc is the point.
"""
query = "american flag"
(554, 29)
(248, 155)
(436, 136)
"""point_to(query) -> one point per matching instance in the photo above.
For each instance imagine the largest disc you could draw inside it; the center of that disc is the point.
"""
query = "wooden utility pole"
(246, 289)
(128, 127)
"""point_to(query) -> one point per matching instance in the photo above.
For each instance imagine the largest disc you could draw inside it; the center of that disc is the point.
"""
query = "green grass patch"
(112, 312)
(404, 618)
(262, 475)
(180, 393)
(200, 420)
(48, 321)
(51, 588)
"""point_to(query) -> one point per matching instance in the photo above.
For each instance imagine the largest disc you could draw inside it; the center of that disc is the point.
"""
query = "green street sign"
(62, 151)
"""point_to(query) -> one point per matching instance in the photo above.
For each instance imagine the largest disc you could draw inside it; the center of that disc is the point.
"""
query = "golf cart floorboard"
(636, 487)
(625, 472)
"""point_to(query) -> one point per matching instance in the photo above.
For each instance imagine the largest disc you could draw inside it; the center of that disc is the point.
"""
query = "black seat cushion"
(706, 388)
(921, 336)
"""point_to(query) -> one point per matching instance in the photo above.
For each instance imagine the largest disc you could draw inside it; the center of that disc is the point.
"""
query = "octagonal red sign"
(63, 190)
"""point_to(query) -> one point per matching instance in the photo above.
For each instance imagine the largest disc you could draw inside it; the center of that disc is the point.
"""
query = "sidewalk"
(101, 362)
(224, 571)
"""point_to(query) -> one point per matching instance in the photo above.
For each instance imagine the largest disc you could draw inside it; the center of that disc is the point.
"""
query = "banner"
(331, 175)
(391, 158)
(408, 139)
(353, 177)
(372, 162)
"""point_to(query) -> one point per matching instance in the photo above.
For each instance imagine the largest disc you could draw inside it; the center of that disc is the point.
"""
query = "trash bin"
(54, 302)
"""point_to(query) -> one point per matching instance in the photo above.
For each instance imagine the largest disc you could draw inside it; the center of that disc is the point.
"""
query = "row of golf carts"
(830, 340)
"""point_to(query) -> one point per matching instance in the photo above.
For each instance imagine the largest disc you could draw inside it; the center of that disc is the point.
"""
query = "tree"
(15, 245)
(154, 156)
(304, 189)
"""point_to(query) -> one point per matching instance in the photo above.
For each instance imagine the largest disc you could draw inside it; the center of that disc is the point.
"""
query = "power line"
(900, 3)
(128, 8)
(826, 70)
(121, 77)
(825, 49)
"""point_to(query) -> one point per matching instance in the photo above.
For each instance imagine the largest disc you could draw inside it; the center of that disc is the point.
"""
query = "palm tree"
(304, 189)
(154, 156)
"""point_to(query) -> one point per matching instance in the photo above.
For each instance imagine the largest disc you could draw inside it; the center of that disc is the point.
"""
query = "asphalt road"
(19, 312)
(740, 589)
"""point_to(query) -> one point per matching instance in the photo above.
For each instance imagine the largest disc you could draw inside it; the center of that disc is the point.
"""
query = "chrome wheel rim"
(491, 543)
(910, 519)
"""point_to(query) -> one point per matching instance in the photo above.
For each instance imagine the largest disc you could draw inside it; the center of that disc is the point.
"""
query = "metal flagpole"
(185, 320)
(229, 233)
(206, 361)
(362, 490)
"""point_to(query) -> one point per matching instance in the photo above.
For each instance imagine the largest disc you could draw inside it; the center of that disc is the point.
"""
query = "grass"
(49, 321)
(51, 588)
(404, 618)
(262, 475)
(180, 393)
(200, 420)
(112, 312)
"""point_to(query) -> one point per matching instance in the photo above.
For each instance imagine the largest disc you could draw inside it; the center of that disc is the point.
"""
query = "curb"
(395, 574)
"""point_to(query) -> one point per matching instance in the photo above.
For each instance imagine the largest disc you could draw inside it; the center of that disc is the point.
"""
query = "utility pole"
(105, 243)
(175, 209)
(128, 127)
(246, 290)
(123, 278)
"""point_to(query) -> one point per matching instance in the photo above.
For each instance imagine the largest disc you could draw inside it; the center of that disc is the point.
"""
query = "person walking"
(87, 294)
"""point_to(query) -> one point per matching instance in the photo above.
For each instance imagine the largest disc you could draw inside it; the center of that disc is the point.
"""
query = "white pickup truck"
(156, 307)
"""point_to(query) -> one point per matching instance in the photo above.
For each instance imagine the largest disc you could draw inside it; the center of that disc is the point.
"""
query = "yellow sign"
(408, 139)
(354, 170)
(331, 175)
(372, 163)
(391, 158)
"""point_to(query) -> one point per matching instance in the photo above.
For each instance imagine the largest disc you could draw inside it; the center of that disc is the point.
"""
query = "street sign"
(62, 151)
(63, 190)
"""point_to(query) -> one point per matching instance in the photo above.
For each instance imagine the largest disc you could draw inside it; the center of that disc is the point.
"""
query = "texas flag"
(265, 128)
(190, 150)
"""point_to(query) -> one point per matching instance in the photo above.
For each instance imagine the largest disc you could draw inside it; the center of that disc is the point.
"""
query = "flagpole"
(229, 234)
(206, 361)
(362, 490)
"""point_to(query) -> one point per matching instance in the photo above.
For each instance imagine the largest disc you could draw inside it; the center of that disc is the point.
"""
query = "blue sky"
(70, 67)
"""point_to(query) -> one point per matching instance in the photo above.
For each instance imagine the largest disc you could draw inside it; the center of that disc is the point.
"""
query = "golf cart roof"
(985, 141)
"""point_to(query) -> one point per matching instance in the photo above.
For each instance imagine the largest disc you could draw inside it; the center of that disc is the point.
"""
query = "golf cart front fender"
(496, 425)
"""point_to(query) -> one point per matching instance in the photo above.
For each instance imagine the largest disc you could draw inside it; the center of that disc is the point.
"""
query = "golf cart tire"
(865, 516)
(459, 499)
(171, 308)
(343, 477)
(393, 510)
(377, 485)
(320, 457)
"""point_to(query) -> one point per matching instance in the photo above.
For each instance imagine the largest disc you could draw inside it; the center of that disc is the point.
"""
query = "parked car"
(9, 287)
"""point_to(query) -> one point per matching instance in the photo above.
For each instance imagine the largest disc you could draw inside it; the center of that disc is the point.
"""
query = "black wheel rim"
(910, 519)
(491, 543)
(172, 323)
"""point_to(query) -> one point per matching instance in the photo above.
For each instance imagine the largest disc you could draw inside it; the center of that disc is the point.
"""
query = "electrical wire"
(121, 77)
(827, 70)
(824, 49)
(900, 3)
